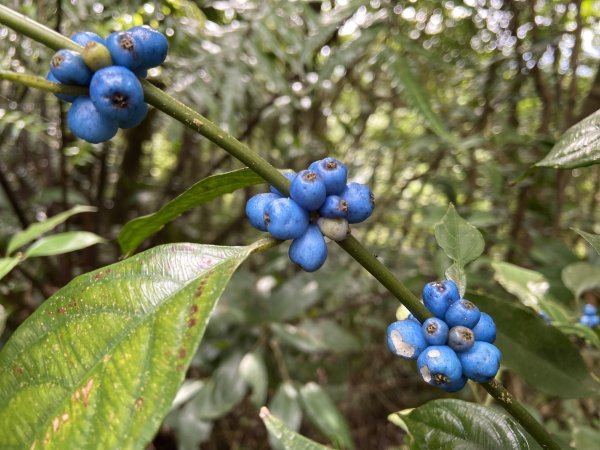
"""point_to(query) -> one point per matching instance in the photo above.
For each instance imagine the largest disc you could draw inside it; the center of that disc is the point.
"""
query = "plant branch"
(174, 108)
(41, 83)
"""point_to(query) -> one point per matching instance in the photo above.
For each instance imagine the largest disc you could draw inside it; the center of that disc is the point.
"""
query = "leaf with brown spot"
(139, 323)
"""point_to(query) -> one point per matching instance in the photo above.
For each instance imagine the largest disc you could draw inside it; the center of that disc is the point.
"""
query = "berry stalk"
(174, 108)
(42, 83)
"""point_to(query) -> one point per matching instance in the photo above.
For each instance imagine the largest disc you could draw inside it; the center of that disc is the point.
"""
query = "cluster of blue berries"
(590, 317)
(321, 204)
(111, 69)
(451, 347)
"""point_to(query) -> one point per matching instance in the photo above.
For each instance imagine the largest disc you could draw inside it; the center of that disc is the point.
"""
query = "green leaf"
(254, 372)
(37, 229)
(580, 277)
(453, 424)
(324, 415)
(313, 336)
(60, 243)
(289, 439)
(461, 242)
(8, 264)
(593, 239)
(531, 288)
(415, 94)
(135, 231)
(579, 330)
(3, 316)
(543, 356)
(579, 146)
(98, 364)
(285, 404)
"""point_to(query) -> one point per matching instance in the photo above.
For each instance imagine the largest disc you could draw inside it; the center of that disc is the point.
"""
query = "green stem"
(205, 127)
(43, 84)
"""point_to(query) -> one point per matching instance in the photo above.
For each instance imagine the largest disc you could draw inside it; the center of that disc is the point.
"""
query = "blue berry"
(255, 209)
(116, 92)
(309, 251)
(439, 295)
(68, 67)
(435, 331)
(83, 37)
(141, 73)
(290, 175)
(125, 49)
(285, 219)
(308, 190)
(405, 339)
(360, 202)
(413, 318)
(485, 330)
(545, 317)
(481, 362)
(87, 123)
(63, 97)
(333, 173)
(462, 312)
(460, 338)
(589, 309)
(591, 321)
(454, 385)
(154, 45)
(439, 366)
(334, 207)
(138, 114)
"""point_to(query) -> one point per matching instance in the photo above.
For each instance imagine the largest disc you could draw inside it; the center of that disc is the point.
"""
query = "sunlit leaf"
(289, 439)
(37, 229)
(110, 349)
(580, 277)
(461, 242)
(593, 239)
(285, 404)
(579, 146)
(450, 424)
(8, 264)
(135, 231)
(60, 243)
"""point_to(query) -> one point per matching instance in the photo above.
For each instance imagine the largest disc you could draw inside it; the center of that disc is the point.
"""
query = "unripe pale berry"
(96, 56)
(309, 251)
(335, 229)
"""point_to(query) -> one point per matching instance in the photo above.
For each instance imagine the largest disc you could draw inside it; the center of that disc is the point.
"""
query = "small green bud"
(96, 56)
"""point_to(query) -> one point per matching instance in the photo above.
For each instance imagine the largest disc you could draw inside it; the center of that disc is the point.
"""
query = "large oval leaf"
(286, 437)
(60, 243)
(453, 424)
(537, 351)
(135, 231)
(98, 364)
(579, 146)
(593, 239)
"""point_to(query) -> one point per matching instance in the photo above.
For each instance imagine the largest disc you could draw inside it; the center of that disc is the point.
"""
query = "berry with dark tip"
(335, 229)
(68, 67)
(435, 331)
(308, 190)
(154, 45)
(289, 175)
(96, 56)
(334, 207)
(589, 309)
(116, 92)
(462, 312)
(485, 330)
(405, 339)
(360, 201)
(255, 209)
(87, 123)
(309, 251)
(333, 173)
(439, 295)
(125, 49)
(285, 219)
(439, 366)
(63, 97)
(460, 338)
(84, 37)
(481, 362)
